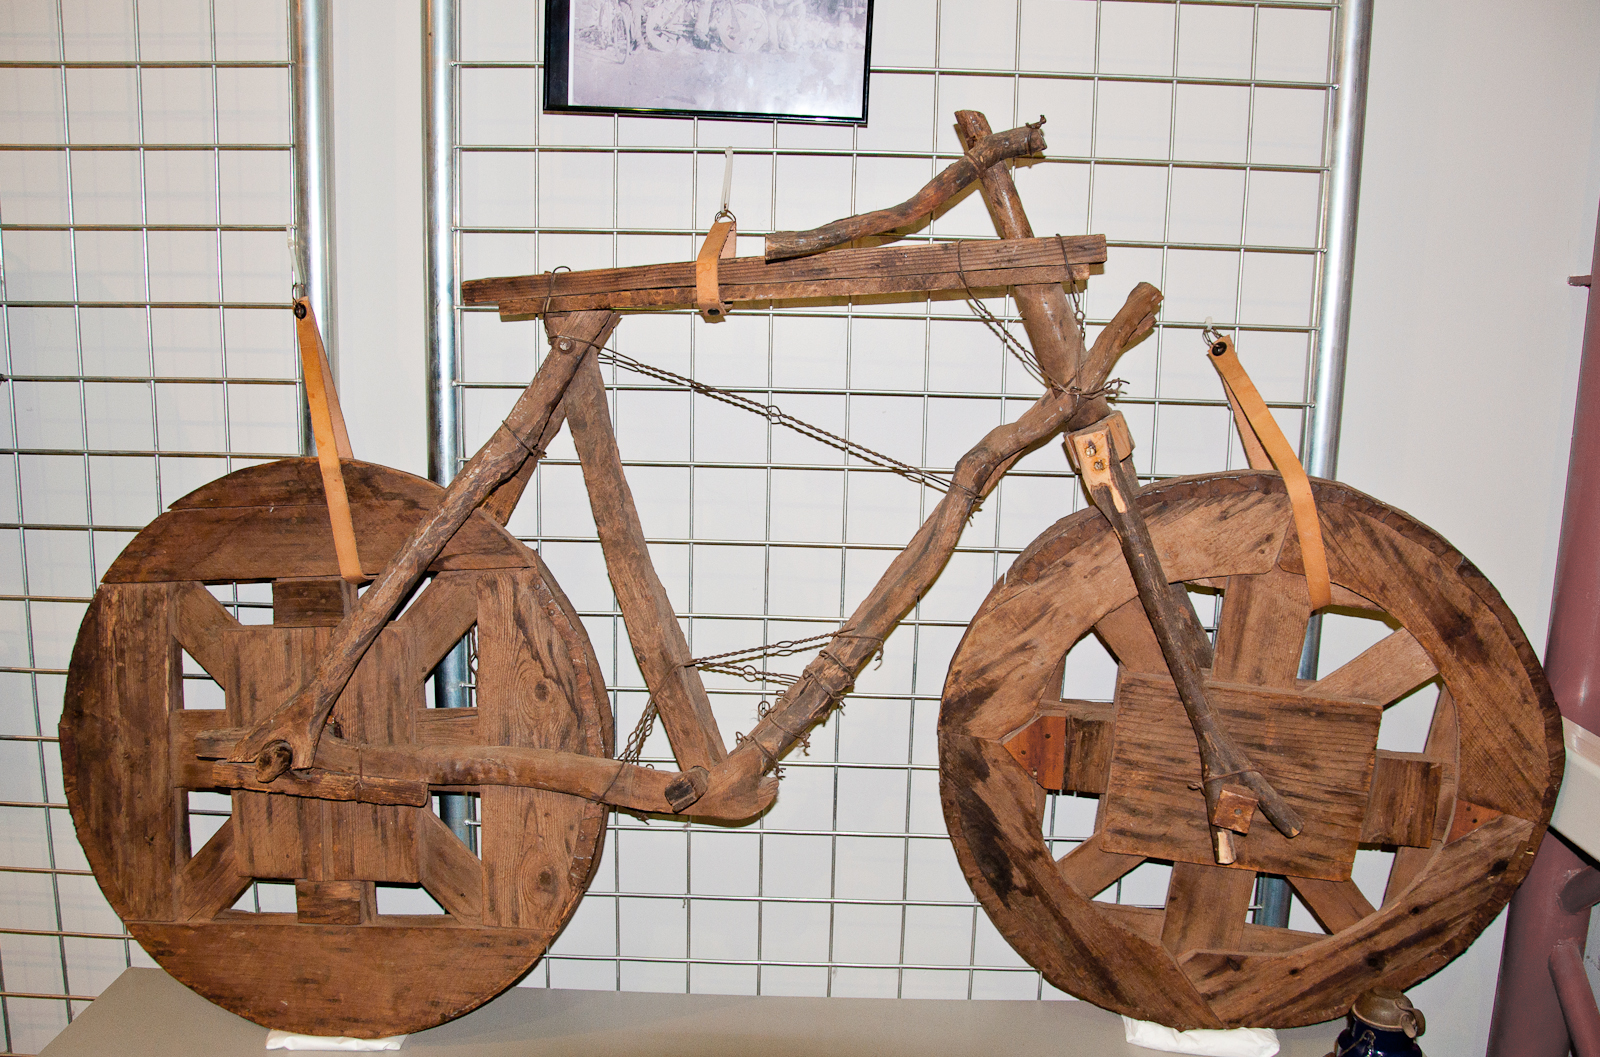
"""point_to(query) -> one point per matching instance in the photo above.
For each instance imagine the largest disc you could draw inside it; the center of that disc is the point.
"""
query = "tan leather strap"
(333, 441)
(1264, 442)
(719, 243)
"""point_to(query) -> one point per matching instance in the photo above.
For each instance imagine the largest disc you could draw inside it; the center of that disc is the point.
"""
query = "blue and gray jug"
(1383, 1023)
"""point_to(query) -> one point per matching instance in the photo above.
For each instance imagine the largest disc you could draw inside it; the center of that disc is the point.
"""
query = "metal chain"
(641, 733)
(1072, 288)
(779, 417)
(997, 326)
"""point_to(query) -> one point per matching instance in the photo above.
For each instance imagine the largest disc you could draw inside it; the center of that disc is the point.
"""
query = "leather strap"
(333, 441)
(1265, 443)
(719, 243)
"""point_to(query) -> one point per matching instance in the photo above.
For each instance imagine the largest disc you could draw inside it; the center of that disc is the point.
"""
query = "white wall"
(377, 97)
(1479, 193)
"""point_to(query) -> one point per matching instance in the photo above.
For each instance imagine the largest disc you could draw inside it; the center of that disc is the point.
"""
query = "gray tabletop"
(146, 1013)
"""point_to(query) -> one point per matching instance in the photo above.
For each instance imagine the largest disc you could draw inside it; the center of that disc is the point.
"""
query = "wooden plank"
(841, 273)
(1041, 749)
(1318, 752)
(1261, 632)
(278, 837)
(1127, 634)
(1146, 921)
(1089, 741)
(311, 602)
(1441, 745)
(366, 841)
(1433, 923)
(335, 902)
(211, 881)
(439, 618)
(1468, 817)
(1403, 800)
(254, 525)
(653, 630)
(448, 870)
(446, 726)
(1206, 907)
(202, 627)
(124, 683)
(1067, 746)
(363, 981)
(1384, 672)
(1337, 905)
(1090, 869)
(526, 693)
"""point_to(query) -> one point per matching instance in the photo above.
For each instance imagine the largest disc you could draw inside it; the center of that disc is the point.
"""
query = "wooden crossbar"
(934, 267)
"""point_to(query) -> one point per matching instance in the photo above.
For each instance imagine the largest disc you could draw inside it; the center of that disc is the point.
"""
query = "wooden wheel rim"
(1508, 757)
(385, 975)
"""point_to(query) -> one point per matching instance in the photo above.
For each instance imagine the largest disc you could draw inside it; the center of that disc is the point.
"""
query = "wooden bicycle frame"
(568, 386)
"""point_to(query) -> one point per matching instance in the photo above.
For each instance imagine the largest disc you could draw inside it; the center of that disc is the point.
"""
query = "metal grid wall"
(1194, 135)
(145, 197)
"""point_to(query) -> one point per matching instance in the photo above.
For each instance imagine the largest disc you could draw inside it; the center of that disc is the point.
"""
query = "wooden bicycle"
(332, 755)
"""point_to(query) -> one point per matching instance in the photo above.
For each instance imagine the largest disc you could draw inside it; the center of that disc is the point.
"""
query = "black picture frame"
(784, 60)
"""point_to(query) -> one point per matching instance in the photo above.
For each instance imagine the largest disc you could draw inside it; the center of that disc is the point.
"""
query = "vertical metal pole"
(1319, 448)
(1339, 260)
(439, 195)
(311, 81)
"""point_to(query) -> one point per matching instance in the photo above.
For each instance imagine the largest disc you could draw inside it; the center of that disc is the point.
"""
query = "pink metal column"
(1528, 1019)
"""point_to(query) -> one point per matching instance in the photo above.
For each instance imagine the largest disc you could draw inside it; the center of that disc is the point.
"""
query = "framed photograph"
(794, 60)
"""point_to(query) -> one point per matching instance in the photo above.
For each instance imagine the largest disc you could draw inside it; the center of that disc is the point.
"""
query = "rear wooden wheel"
(1464, 816)
(337, 966)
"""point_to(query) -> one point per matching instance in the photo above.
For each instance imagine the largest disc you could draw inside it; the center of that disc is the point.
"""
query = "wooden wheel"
(1465, 816)
(337, 966)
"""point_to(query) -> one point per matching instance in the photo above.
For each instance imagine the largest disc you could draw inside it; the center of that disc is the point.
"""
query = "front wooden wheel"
(1464, 817)
(337, 965)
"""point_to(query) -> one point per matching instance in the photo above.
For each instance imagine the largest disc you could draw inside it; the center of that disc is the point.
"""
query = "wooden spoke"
(448, 869)
(436, 621)
(1206, 907)
(1336, 904)
(1127, 634)
(1091, 869)
(211, 881)
(335, 902)
(1384, 672)
(202, 628)
(1262, 629)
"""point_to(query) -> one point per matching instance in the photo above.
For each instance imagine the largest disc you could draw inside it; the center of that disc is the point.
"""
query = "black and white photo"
(801, 60)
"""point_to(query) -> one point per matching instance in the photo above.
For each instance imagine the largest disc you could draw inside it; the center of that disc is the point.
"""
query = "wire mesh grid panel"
(1192, 135)
(145, 196)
